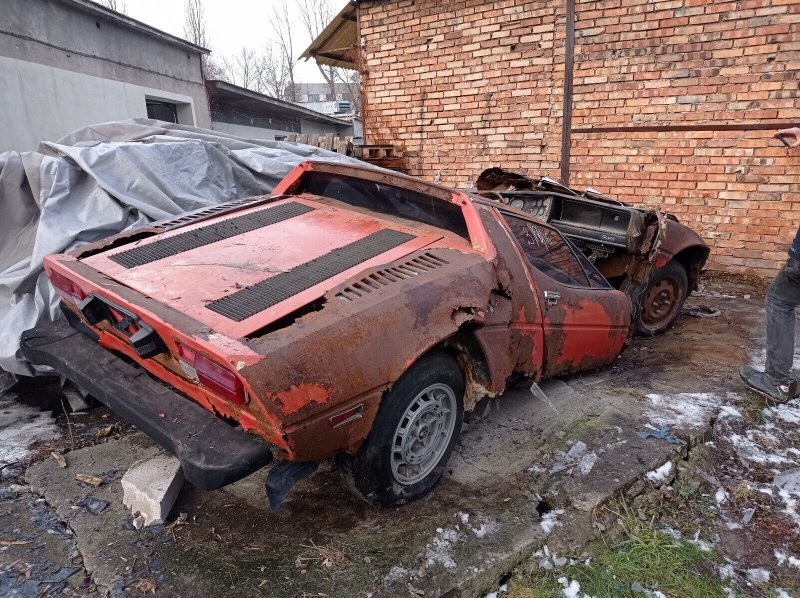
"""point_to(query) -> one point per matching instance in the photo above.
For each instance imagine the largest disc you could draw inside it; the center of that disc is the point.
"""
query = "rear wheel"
(660, 303)
(415, 430)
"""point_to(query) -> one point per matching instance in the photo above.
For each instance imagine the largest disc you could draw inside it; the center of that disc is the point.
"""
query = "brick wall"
(699, 88)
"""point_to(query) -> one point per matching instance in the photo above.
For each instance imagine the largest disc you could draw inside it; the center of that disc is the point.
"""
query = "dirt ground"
(533, 470)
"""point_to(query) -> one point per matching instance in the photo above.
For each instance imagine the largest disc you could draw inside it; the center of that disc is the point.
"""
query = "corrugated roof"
(337, 44)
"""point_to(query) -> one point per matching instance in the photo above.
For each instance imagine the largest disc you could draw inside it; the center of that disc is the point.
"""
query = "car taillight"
(65, 285)
(212, 375)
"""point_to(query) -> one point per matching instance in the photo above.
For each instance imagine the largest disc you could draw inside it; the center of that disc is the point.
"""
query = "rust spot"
(300, 395)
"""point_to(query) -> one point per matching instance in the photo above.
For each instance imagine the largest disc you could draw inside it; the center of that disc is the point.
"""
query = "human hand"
(789, 137)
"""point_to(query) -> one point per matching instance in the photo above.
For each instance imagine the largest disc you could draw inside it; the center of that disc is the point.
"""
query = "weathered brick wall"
(464, 85)
(460, 86)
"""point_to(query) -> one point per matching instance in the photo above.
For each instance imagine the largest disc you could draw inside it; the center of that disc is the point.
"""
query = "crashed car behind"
(353, 314)
(646, 253)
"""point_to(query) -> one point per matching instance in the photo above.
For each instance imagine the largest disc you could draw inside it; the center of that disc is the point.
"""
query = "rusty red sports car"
(353, 314)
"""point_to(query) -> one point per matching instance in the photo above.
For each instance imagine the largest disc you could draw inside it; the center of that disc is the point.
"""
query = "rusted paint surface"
(654, 239)
(336, 354)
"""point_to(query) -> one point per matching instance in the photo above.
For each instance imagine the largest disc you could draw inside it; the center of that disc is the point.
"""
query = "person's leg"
(776, 382)
(780, 338)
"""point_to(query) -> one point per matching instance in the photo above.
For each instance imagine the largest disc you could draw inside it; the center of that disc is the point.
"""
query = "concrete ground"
(530, 471)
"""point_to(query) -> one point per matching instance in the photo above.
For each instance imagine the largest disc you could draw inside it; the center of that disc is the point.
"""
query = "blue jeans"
(783, 296)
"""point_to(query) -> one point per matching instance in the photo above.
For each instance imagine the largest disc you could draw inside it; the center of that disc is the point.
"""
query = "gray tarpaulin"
(103, 179)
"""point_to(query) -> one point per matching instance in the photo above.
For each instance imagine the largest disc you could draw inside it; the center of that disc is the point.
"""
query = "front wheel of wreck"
(661, 301)
(417, 425)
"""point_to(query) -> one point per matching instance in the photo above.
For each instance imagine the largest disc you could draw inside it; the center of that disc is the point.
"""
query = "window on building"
(159, 110)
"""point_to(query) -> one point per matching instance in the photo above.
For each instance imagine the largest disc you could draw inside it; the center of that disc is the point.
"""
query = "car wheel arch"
(692, 258)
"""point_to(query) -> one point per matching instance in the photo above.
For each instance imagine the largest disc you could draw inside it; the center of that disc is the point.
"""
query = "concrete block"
(151, 487)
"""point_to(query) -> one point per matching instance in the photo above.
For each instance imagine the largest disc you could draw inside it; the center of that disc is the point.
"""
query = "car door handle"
(552, 297)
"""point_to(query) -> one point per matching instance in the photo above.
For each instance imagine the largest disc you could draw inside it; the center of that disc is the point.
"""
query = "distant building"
(72, 63)
(318, 96)
(239, 111)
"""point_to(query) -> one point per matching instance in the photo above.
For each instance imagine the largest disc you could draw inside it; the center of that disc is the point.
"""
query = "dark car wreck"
(353, 314)
(647, 254)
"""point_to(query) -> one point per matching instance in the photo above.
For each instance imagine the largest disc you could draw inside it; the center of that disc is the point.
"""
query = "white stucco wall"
(43, 103)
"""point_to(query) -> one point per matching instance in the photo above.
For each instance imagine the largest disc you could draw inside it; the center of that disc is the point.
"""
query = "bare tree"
(194, 26)
(244, 69)
(115, 5)
(284, 47)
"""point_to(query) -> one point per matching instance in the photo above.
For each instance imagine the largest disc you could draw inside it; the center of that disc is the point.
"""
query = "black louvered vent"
(217, 231)
(254, 299)
(409, 269)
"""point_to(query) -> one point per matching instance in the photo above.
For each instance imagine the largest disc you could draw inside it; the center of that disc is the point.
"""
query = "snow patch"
(749, 448)
(500, 591)
(758, 576)
(659, 475)
(571, 588)
(21, 427)
(788, 412)
(727, 571)
(688, 409)
(782, 558)
(701, 544)
(549, 520)
(721, 496)
(578, 457)
(439, 550)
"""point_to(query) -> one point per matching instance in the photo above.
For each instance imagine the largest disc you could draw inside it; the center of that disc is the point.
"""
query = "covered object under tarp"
(107, 178)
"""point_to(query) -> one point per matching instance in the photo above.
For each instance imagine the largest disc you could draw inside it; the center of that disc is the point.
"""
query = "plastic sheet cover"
(107, 178)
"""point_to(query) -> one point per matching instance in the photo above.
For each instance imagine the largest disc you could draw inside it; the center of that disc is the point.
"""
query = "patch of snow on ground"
(781, 593)
(749, 449)
(571, 588)
(788, 412)
(439, 550)
(701, 544)
(500, 591)
(578, 456)
(791, 506)
(396, 573)
(463, 517)
(782, 558)
(721, 496)
(485, 528)
(659, 475)
(726, 571)
(549, 520)
(22, 426)
(758, 576)
(688, 409)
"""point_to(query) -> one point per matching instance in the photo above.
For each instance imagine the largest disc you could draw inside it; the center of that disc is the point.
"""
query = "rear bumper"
(212, 453)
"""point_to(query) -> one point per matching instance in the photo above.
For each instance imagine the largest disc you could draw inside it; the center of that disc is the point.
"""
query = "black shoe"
(763, 384)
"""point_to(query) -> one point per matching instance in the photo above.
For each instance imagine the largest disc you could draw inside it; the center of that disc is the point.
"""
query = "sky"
(230, 24)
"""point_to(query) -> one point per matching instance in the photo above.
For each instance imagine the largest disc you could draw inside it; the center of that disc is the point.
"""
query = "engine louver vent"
(409, 269)
(205, 235)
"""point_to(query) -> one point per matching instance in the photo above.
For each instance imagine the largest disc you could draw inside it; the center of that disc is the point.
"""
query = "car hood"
(240, 272)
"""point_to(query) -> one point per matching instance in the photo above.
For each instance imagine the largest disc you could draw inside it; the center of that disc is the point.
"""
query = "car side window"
(547, 251)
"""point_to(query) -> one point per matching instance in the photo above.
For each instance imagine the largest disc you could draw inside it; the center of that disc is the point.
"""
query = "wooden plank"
(302, 138)
(327, 142)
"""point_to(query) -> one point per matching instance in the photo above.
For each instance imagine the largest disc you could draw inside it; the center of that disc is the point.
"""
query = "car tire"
(660, 303)
(417, 425)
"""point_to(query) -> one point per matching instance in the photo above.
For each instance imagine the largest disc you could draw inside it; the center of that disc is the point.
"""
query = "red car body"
(293, 316)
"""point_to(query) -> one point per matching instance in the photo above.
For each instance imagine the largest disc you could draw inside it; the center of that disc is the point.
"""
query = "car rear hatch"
(240, 272)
